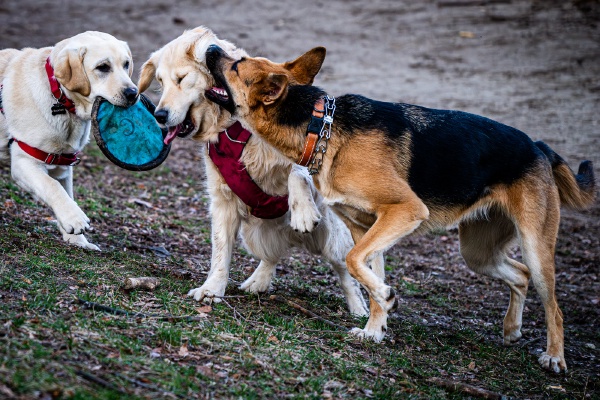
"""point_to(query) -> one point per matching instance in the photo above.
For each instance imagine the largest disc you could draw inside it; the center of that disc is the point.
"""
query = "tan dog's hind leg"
(538, 227)
(393, 222)
(483, 245)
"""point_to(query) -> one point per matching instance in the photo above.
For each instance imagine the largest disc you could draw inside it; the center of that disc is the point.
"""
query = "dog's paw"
(552, 363)
(74, 221)
(207, 292)
(386, 297)
(81, 241)
(304, 217)
(259, 282)
(375, 335)
(512, 337)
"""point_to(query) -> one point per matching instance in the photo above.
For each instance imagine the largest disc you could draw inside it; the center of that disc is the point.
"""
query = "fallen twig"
(146, 282)
(116, 311)
(99, 381)
(529, 341)
(468, 389)
(306, 312)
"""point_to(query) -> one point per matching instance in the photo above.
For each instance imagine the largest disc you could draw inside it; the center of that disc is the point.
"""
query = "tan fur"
(28, 100)
(364, 178)
(269, 240)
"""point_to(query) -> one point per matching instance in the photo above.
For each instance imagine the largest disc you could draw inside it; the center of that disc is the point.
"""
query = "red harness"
(63, 103)
(226, 156)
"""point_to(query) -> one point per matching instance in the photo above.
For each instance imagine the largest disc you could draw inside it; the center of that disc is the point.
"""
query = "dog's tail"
(576, 191)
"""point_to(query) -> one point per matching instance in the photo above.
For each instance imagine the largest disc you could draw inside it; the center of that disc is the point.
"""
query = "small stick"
(116, 311)
(468, 389)
(147, 282)
(99, 381)
(306, 312)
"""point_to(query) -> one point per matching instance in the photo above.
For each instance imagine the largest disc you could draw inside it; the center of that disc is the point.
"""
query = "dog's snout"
(161, 115)
(131, 94)
(213, 53)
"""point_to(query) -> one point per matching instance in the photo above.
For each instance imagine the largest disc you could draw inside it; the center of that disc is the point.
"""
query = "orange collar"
(318, 133)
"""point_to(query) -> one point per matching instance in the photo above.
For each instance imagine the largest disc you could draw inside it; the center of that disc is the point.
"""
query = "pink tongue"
(172, 134)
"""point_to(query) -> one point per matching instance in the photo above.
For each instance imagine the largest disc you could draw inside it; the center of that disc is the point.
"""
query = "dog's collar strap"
(318, 133)
(226, 154)
(49, 158)
(63, 102)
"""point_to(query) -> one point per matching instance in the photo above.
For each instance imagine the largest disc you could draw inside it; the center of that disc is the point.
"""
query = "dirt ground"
(533, 65)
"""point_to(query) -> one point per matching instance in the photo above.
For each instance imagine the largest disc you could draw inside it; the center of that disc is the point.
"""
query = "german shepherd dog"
(391, 169)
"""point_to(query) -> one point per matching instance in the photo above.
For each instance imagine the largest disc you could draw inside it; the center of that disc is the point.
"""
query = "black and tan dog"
(391, 169)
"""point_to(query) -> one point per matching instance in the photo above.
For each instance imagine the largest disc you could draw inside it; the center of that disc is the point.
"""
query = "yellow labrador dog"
(180, 69)
(46, 104)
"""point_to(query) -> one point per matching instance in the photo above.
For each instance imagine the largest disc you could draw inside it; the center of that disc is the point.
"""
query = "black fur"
(456, 156)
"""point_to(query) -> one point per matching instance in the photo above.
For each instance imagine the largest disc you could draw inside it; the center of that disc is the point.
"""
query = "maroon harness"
(226, 156)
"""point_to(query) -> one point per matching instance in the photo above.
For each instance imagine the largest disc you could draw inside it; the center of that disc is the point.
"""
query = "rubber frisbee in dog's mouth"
(130, 137)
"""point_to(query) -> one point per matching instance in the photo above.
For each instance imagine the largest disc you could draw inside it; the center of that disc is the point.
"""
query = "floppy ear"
(69, 71)
(307, 66)
(130, 70)
(275, 85)
(147, 73)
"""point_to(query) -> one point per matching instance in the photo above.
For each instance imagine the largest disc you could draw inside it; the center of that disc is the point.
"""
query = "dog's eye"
(179, 79)
(103, 68)
(126, 65)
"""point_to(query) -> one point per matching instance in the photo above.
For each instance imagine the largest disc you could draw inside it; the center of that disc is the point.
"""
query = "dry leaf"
(204, 309)
(466, 34)
(183, 350)
(472, 365)
(273, 339)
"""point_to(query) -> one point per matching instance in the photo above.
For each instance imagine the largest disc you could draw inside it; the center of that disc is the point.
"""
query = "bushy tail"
(576, 191)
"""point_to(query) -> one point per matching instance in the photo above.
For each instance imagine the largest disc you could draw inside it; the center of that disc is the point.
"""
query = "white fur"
(309, 224)
(27, 101)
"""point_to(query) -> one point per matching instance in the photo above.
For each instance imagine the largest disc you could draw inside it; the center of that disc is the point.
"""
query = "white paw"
(73, 221)
(386, 297)
(304, 217)
(80, 240)
(556, 364)
(358, 307)
(257, 283)
(207, 292)
(375, 335)
(512, 337)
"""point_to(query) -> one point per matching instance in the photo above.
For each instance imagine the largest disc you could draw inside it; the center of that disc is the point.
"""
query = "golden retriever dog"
(391, 169)
(181, 72)
(46, 104)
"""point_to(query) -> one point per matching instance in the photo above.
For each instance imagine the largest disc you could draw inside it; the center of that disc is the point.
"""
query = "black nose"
(130, 94)
(213, 53)
(161, 115)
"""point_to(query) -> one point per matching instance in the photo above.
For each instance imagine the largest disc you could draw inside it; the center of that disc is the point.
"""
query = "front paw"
(553, 363)
(373, 334)
(73, 221)
(81, 241)
(304, 218)
(208, 292)
(386, 298)
(256, 284)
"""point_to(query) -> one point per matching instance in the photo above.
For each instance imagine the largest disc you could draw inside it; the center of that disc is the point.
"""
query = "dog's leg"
(304, 214)
(393, 222)
(335, 247)
(64, 175)
(34, 177)
(483, 245)
(538, 228)
(224, 228)
(260, 280)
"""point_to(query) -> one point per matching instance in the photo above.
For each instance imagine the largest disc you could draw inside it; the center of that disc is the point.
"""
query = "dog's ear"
(147, 72)
(130, 69)
(69, 70)
(273, 88)
(307, 66)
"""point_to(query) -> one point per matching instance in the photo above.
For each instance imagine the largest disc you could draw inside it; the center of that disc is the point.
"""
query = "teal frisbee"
(129, 137)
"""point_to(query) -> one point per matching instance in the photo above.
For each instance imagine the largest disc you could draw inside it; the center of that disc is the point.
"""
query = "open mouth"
(220, 95)
(181, 130)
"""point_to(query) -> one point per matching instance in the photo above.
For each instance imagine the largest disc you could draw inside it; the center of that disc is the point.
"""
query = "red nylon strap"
(312, 137)
(226, 156)
(49, 158)
(56, 90)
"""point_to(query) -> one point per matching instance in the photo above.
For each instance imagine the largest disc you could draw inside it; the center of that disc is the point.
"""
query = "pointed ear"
(147, 73)
(69, 71)
(307, 66)
(275, 85)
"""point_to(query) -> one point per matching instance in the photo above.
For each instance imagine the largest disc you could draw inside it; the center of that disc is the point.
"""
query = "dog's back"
(6, 56)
